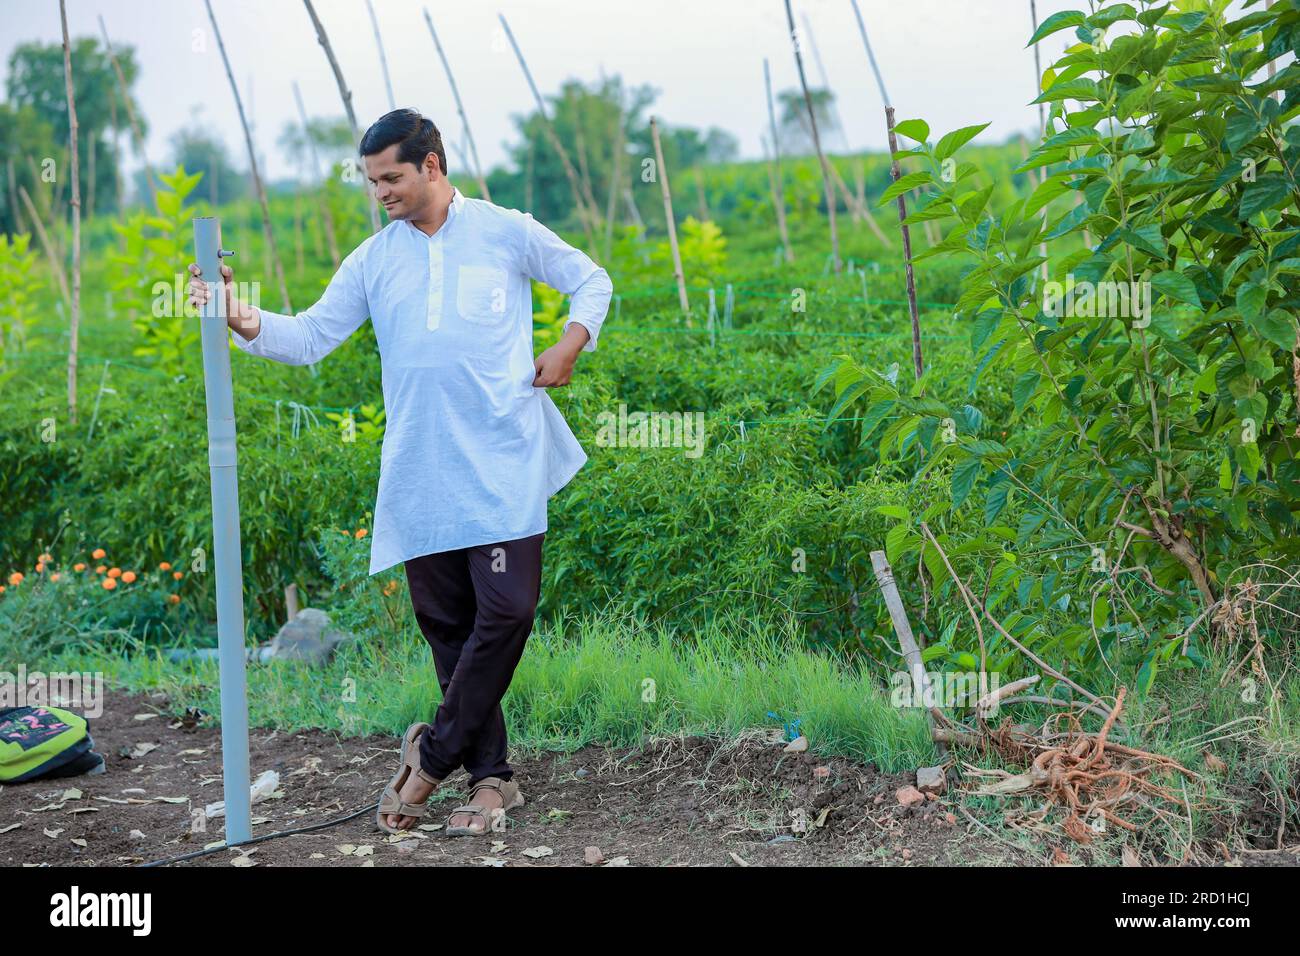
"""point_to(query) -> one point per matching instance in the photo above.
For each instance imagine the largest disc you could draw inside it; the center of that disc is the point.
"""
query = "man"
(474, 445)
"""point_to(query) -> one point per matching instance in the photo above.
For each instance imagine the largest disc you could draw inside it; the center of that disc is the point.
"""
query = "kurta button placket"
(433, 308)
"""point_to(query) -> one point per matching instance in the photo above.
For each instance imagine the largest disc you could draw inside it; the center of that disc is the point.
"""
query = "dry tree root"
(1086, 774)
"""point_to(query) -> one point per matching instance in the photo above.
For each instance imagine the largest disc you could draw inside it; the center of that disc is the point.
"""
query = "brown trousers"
(475, 608)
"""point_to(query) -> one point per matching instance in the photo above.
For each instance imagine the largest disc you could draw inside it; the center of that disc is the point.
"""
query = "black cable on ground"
(262, 838)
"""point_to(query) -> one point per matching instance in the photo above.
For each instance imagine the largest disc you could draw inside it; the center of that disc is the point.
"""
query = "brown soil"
(673, 801)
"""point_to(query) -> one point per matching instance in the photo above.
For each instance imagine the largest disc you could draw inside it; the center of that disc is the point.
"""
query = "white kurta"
(471, 449)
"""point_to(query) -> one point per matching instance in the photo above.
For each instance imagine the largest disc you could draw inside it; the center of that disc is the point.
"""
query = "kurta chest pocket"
(482, 294)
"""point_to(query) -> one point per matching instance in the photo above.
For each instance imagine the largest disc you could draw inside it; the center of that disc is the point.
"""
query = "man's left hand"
(554, 367)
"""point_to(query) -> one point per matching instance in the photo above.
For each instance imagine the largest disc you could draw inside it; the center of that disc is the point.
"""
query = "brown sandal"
(510, 798)
(389, 802)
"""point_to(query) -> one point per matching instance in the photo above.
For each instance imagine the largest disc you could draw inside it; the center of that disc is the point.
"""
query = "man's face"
(403, 189)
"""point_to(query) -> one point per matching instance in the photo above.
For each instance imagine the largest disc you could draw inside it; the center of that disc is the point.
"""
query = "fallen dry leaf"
(537, 852)
(79, 841)
(738, 860)
(593, 855)
(72, 793)
(143, 716)
(52, 833)
(12, 826)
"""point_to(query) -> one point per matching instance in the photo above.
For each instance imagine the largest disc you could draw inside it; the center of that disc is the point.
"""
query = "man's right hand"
(242, 318)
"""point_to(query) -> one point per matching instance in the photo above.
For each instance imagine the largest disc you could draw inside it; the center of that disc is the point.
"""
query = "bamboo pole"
(267, 235)
(662, 172)
(903, 628)
(580, 143)
(584, 213)
(118, 190)
(346, 95)
(778, 184)
(327, 217)
(74, 135)
(383, 59)
(90, 178)
(826, 83)
(460, 107)
(528, 178)
(1042, 128)
(827, 183)
(13, 194)
(130, 113)
(699, 195)
(896, 172)
(871, 56)
(56, 264)
(616, 164)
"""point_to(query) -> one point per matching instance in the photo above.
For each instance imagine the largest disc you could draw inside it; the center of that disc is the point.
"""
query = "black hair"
(416, 135)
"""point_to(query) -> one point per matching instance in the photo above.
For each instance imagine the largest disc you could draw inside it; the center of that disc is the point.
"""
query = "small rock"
(909, 796)
(581, 772)
(592, 855)
(137, 835)
(931, 780)
(797, 746)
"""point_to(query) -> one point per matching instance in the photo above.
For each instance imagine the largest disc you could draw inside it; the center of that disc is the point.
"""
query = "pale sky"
(951, 62)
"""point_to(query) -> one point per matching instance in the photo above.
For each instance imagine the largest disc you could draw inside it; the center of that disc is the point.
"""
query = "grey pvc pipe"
(226, 557)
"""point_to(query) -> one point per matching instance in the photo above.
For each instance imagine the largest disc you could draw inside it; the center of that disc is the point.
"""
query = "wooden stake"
(130, 114)
(383, 60)
(917, 363)
(662, 172)
(90, 179)
(871, 56)
(346, 95)
(699, 196)
(327, 217)
(56, 262)
(74, 135)
(778, 184)
(583, 212)
(580, 142)
(1042, 127)
(617, 161)
(13, 194)
(903, 628)
(267, 235)
(460, 108)
(821, 157)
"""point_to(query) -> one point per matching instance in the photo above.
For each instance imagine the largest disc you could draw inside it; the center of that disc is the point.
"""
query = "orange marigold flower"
(361, 533)
(109, 583)
(79, 566)
(177, 575)
(174, 598)
(97, 553)
(54, 576)
(16, 578)
(2, 589)
(128, 577)
(45, 557)
(114, 572)
(101, 569)
(165, 566)
(40, 567)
